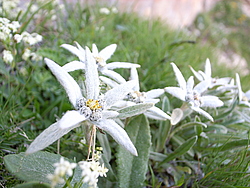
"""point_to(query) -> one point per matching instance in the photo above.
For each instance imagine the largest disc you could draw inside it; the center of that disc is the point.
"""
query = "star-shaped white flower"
(101, 58)
(207, 75)
(193, 94)
(243, 97)
(94, 108)
(136, 97)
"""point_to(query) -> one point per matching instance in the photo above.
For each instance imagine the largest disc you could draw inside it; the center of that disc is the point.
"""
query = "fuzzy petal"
(196, 74)
(179, 77)
(92, 78)
(114, 75)
(238, 84)
(190, 83)
(211, 101)
(107, 52)
(134, 76)
(154, 93)
(118, 133)
(109, 114)
(156, 113)
(71, 87)
(70, 119)
(202, 112)
(177, 92)
(202, 86)
(74, 50)
(74, 65)
(47, 137)
(118, 93)
(95, 51)
(108, 81)
(118, 65)
(208, 70)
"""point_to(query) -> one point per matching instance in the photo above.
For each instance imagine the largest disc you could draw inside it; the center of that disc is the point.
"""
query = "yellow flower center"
(93, 104)
(100, 61)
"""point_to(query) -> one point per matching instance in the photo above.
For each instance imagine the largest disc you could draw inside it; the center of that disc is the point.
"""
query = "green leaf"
(36, 166)
(33, 184)
(182, 149)
(236, 144)
(132, 169)
(134, 110)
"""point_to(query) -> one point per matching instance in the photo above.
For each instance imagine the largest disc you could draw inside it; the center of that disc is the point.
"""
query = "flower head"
(94, 108)
(207, 75)
(137, 97)
(101, 58)
(193, 95)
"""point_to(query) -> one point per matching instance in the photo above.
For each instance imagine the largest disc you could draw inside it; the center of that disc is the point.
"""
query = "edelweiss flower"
(193, 95)
(243, 97)
(101, 58)
(137, 97)
(94, 108)
(207, 75)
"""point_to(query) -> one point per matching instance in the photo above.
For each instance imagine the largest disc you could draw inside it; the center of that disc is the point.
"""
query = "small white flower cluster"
(91, 170)
(8, 28)
(105, 10)
(10, 7)
(62, 168)
(9, 36)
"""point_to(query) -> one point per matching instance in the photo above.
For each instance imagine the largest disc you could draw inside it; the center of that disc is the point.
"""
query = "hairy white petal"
(154, 93)
(238, 84)
(108, 81)
(74, 50)
(152, 101)
(122, 104)
(125, 65)
(196, 74)
(134, 76)
(80, 48)
(118, 133)
(109, 114)
(177, 92)
(190, 83)
(202, 86)
(95, 51)
(91, 76)
(157, 113)
(73, 65)
(107, 52)
(70, 119)
(202, 112)
(211, 101)
(47, 137)
(179, 77)
(71, 87)
(208, 70)
(114, 75)
(118, 93)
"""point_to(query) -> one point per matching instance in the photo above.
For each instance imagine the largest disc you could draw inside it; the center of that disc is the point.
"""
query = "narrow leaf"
(182, 149)
(131, 169)
(134, 110)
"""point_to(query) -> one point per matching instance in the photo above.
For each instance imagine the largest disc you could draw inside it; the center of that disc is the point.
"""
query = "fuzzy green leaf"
(134, 110)
(36, 166)
(132, 169)
(182, 149)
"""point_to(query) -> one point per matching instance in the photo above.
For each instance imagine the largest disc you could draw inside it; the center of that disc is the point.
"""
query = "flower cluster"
(62, 168)
(91, 170)
(10, 36)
